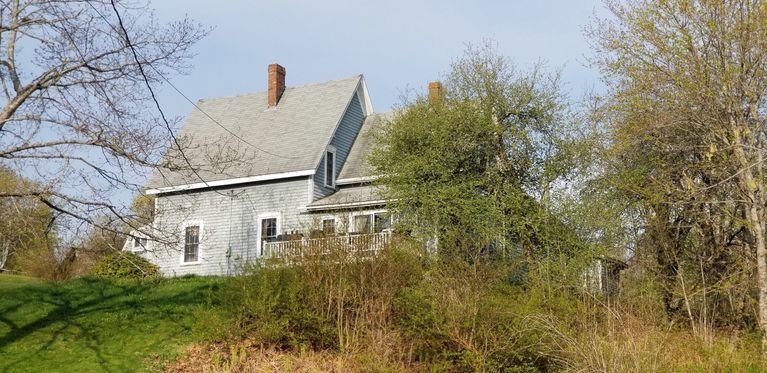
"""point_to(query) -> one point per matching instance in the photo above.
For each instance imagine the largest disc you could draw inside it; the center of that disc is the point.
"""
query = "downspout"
(229, 238)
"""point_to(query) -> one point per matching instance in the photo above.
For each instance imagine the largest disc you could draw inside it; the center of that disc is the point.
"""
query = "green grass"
(91, 324)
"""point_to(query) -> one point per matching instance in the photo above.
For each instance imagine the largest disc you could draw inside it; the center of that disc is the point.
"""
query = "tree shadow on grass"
(75, 308)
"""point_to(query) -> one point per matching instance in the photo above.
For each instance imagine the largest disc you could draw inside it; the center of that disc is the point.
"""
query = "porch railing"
(358, 244)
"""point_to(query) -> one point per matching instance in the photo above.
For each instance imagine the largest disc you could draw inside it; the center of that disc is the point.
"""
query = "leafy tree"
(24, 222)
(686, 112)
(142, 210)
(476, 167)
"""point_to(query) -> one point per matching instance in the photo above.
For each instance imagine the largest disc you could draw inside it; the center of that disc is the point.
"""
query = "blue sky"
(398, 45)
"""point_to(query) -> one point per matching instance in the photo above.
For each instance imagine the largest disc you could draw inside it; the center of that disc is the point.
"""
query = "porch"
(367, 244)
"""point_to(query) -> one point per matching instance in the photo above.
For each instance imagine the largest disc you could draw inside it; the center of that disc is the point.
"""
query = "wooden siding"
(225, 221)
(342, 140)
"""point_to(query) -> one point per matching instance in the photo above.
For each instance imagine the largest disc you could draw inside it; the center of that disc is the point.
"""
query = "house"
(273, 170)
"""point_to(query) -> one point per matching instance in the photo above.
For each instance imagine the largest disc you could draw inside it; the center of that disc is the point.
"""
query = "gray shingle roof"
(355, 165)
(289, 137)
(350, 197)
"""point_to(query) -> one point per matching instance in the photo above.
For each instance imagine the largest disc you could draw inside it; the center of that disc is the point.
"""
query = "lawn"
(91, 324)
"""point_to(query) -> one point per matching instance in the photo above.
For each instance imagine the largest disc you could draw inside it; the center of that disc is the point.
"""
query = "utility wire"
(214, 120)
(156, 102)
(124, 31)
(151, 91)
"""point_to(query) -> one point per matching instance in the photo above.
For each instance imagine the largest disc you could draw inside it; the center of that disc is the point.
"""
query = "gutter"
(356, 180)
(240, 180)
(348, 205)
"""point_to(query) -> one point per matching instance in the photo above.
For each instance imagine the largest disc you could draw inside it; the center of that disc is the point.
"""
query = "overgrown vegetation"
(517, 197)
(683, 154)
(513, 205)
(125, 265)
(27, 236)
(401, 309)
(405, 310)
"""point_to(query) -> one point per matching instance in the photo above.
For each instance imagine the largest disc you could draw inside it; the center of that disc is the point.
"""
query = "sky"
(397, 45)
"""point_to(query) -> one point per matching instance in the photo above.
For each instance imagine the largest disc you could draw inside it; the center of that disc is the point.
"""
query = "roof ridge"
(358, 76)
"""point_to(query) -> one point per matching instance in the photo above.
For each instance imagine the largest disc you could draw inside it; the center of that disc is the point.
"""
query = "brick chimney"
(435, 92)
(276, 84)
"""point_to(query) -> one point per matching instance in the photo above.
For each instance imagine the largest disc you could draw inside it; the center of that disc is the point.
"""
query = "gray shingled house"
(274, 170)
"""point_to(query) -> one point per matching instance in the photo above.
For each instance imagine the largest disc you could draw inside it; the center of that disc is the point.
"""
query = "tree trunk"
(667, 250)
(752, 189)
(761, 268)
(5, 252)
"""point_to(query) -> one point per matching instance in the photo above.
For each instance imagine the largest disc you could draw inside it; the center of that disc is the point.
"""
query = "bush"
(320, 302)
(38, 262)
(273, 305)
(468, 317)
(406, 312)
(125, 265)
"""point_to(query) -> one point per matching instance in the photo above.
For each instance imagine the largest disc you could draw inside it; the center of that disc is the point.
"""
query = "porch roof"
(350, 197)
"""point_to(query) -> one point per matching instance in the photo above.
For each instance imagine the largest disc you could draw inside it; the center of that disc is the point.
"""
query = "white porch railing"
(360, 244)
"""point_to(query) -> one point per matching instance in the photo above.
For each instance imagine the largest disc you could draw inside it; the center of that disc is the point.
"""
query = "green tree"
(476, 167)
(24, 222)
(686, 110)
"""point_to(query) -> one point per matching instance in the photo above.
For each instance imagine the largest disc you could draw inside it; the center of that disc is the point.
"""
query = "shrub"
(469, 318)
(626, 342)
(125, 265)
(273, 305)
(335, 300)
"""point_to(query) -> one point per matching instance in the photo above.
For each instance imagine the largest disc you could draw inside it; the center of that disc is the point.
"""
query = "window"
(139, 243)
(330, 167)
(268, 231)
(192, 244)
(362, 223)
(372, 222)
(382, 222)
(329, 226)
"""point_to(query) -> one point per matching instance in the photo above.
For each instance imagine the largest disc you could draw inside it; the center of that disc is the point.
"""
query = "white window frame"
(139, 248)
(330, 149)
(186, 225)
(268, 215)
(353, 229)
(335, 219)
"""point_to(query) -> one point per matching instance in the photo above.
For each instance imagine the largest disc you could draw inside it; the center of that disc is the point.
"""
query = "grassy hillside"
(91, 324)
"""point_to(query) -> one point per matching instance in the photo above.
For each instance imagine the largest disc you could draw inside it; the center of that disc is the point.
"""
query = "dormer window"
(330, 167)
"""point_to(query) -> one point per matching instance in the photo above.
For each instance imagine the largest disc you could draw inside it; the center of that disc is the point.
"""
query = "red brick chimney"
(276, 84)
(435, 92)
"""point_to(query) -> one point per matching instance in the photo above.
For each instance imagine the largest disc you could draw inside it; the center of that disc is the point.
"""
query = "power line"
(172, 85)
(151, 91)
(214, 120)
(154, 98)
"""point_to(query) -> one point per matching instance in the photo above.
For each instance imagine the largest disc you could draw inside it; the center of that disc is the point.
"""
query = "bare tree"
(78, 113)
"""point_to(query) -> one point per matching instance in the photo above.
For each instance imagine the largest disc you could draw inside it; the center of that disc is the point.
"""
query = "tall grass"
(625, 342)
(401, 310)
